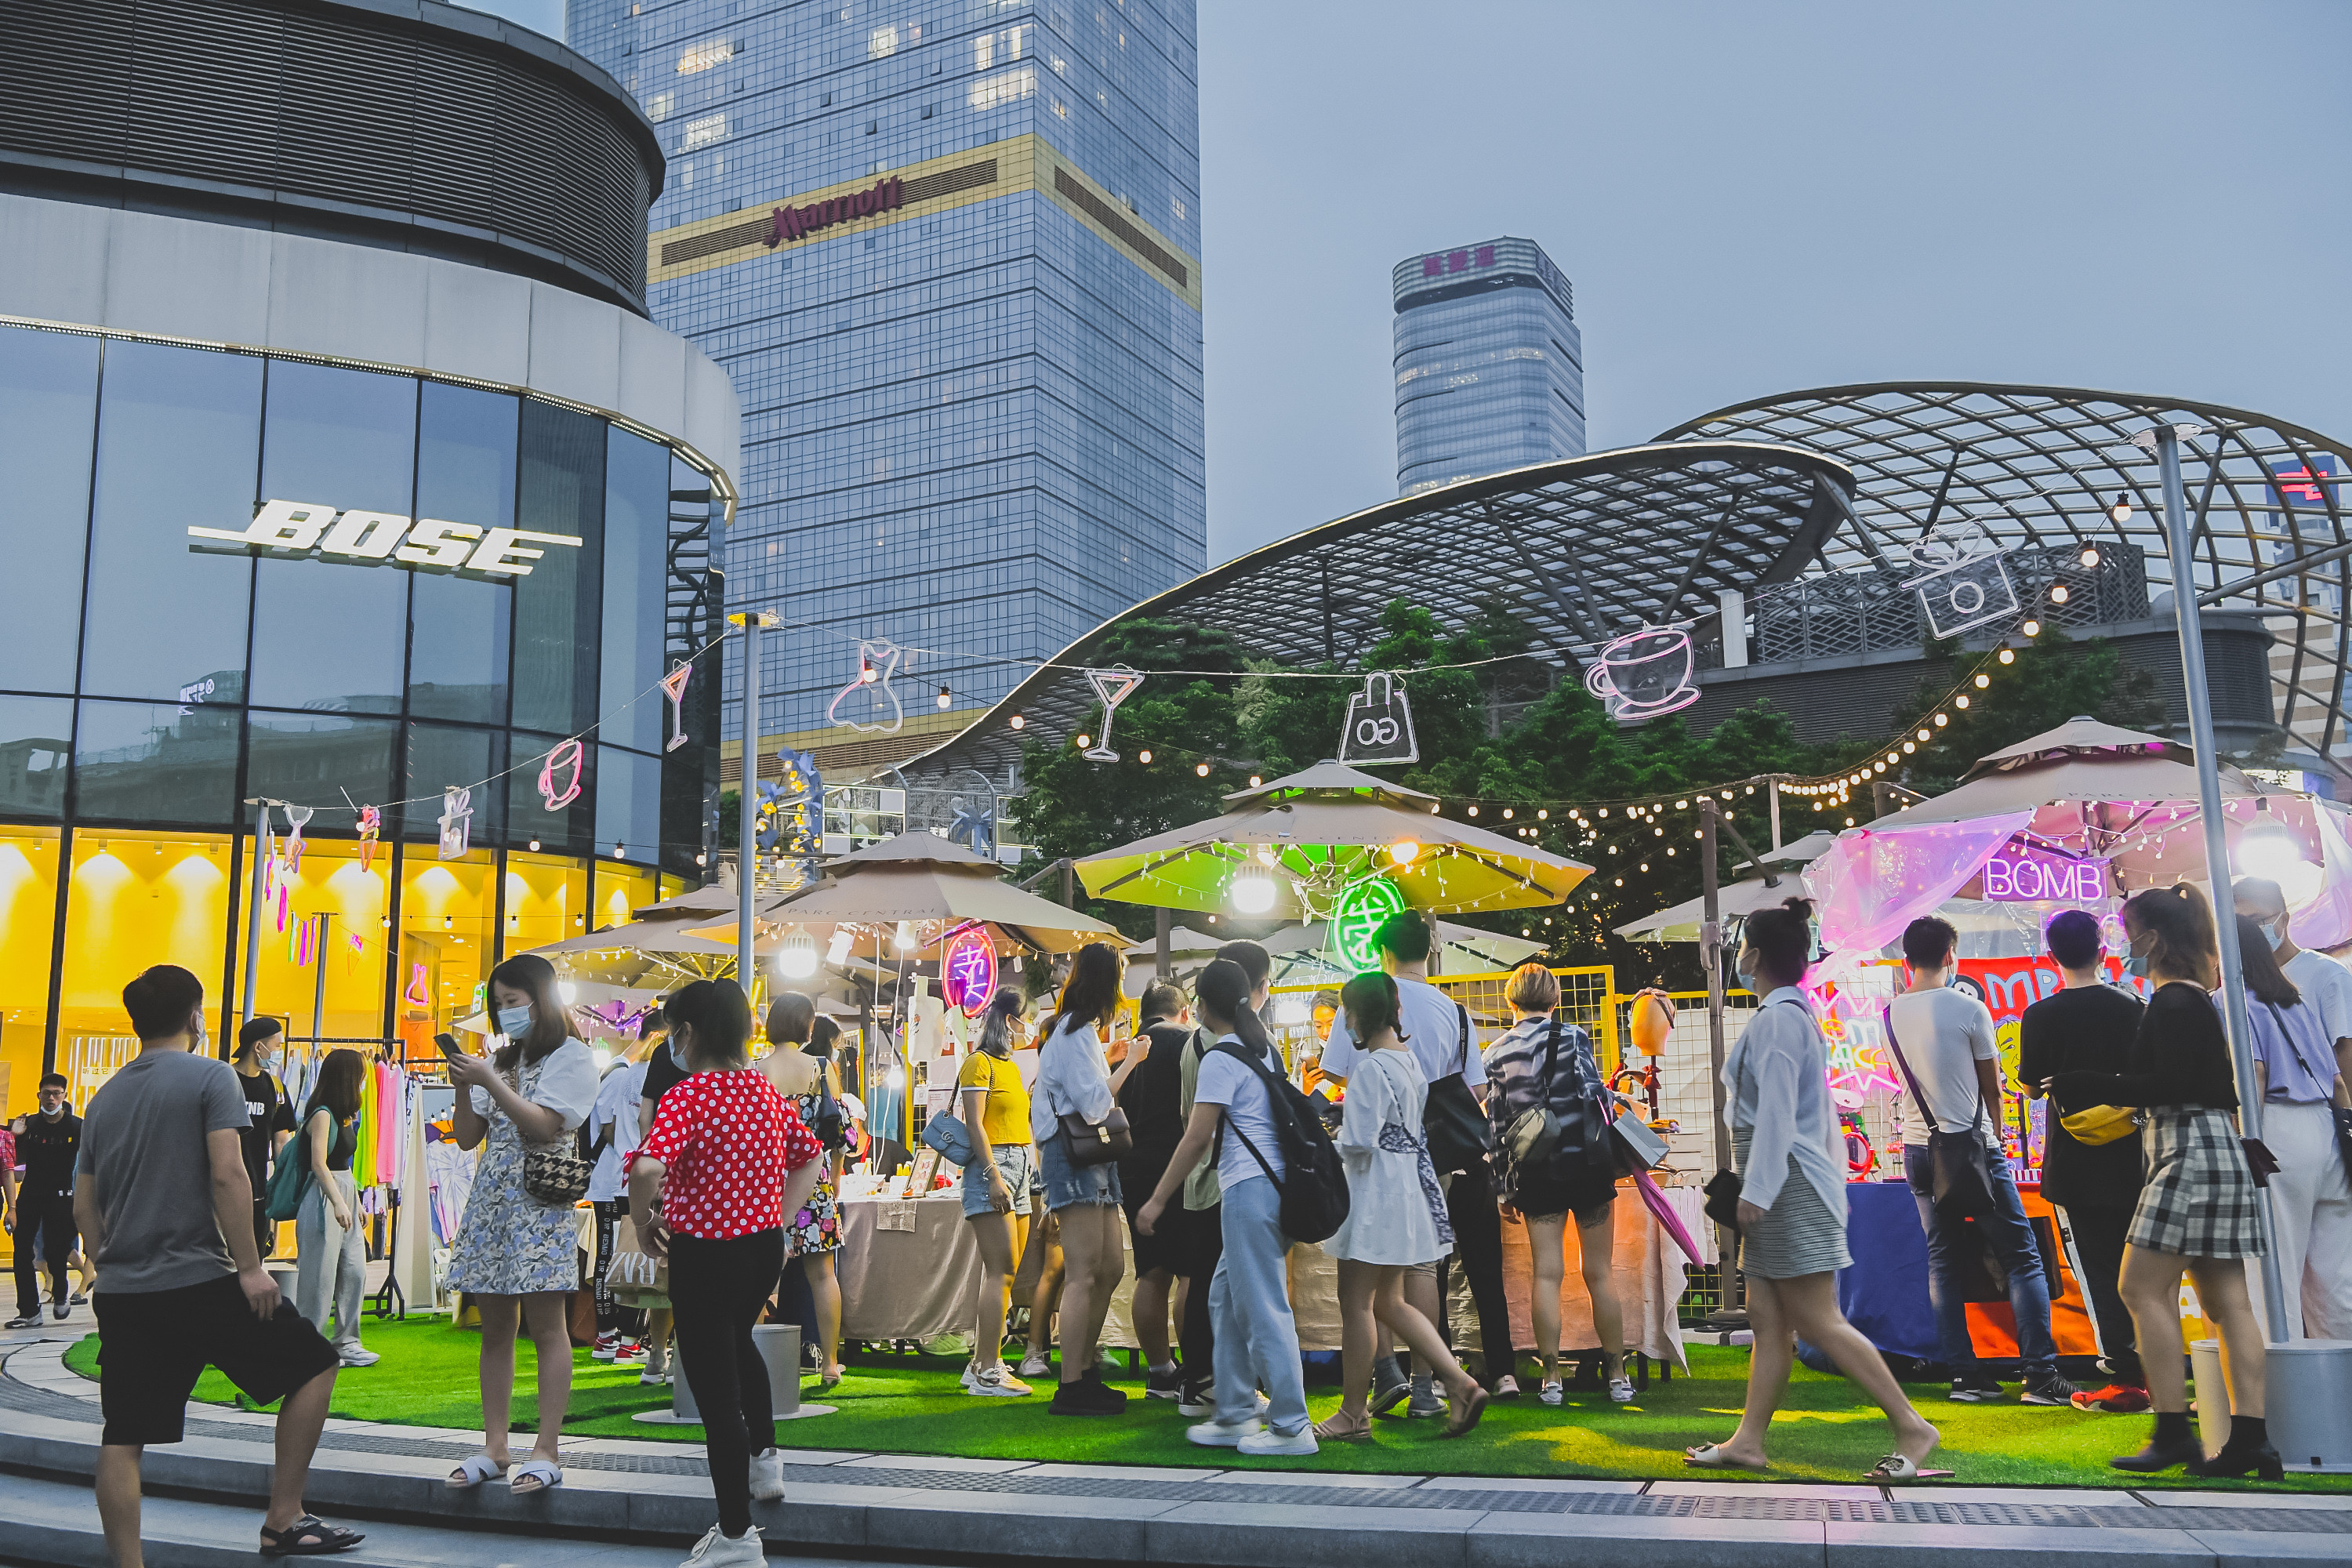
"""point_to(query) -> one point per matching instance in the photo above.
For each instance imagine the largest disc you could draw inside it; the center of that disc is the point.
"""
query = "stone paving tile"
(1310, 1536)
(2044, 1497)
(941, 1462)
(1824, 1494)
(1316, 1479)
(2259, 1549)
(1606, 1540)
(2006, 1546)
(1525, 1484)
(1127, 1473)
(2342, 1500)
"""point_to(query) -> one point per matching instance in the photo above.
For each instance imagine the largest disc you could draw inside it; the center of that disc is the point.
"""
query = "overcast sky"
(2136, 195)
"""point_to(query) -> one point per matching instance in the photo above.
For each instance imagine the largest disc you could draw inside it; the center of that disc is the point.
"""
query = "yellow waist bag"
(2102, 1124)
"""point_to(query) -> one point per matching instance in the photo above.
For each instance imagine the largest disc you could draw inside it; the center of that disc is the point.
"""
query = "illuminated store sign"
(2035, 877)
(303, 528)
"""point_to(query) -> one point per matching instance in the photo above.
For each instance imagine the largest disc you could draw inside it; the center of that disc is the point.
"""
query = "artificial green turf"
(911, 1405)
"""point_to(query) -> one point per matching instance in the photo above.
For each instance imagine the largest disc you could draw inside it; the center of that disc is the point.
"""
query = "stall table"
(1884, 1293)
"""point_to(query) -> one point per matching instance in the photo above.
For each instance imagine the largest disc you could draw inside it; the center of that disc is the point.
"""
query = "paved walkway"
(618, 1492)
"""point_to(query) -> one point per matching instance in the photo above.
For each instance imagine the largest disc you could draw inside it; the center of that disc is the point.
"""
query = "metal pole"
(1711, 950)
(319, 987)
(747, 834)
(1164, 964)
(2167, 442)
(1772, 789)
(253, 908)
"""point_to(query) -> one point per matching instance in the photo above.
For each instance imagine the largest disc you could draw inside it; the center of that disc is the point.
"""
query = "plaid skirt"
(2198, 1199)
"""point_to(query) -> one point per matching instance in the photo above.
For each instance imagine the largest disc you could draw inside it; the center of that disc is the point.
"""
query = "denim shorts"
(1019, 1163)
(1066, 1183)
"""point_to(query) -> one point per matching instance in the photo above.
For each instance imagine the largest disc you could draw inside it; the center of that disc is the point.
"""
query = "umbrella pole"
(1731, 1308)
(747, 848)
(1162, 963)
(2186, 615)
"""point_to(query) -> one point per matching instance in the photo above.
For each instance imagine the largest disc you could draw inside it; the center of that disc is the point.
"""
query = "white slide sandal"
(541, 1473)
(476, 1469)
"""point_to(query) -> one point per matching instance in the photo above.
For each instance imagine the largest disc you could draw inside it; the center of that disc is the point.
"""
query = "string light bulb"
(1085, 741)
(1144, 756)
(1018, 722)
(2031, 628)
(2120, 513)
(2007, 656)
(1200, 768)
(2089, 556)
(944, 698)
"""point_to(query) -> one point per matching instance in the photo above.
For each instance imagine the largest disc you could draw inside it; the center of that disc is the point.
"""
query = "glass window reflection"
(49, 417)
(557, 606)
(464, 473)
(155, 762)
(35, 752)
(636, 540)
(325, 760)
(329, 633)
(440, 755)
(628, 803)
(29, 919)
(179, 432)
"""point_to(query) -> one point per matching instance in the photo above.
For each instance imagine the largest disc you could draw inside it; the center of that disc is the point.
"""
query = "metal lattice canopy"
(2042, 465)
(1582, 551)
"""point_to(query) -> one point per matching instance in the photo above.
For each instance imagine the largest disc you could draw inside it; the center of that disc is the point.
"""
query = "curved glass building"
(1489, 368)
(310, 504)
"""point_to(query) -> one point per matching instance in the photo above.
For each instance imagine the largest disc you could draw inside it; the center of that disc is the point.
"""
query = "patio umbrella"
(1324, 833)
(938, 890)
(1301, 957)
(2097, 811)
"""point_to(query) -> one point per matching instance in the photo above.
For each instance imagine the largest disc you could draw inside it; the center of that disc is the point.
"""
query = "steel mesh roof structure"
(1582, 550)
(2041, 466)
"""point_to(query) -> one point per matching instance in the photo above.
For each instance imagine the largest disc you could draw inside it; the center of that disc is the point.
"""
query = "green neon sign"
(1362, 907)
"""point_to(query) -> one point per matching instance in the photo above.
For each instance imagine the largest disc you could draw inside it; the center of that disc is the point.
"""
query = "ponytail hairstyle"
(1091, 994)
(1223, 992)
(996, 1022)
(1370, 1001)
(2181, 922)
(2264, 976)
(550, 1024)
(1782, 939)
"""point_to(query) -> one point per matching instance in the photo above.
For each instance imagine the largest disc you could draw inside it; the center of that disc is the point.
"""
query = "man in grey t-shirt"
(1944, 1045)
(164, 1202)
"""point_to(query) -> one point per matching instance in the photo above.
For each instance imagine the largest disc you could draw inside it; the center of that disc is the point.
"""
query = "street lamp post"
(2164, 440)
(747, 837)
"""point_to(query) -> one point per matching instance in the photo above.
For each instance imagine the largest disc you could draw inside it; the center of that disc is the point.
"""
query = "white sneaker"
(717, 1551)
(608, 1345)
(1552, 1393)
(965, 1380)
(1267, 1440)
(652, 1379)
(1218, 1435)
(1034, 1365)
(356, 1356)
(767, 1476)
(996, 1382)
(1621, 1391)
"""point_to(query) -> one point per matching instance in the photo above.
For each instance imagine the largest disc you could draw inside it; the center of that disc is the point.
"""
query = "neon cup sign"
(2035, 878)
(1644, 675)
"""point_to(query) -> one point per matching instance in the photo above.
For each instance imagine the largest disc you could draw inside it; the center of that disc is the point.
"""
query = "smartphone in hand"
(450, 1047)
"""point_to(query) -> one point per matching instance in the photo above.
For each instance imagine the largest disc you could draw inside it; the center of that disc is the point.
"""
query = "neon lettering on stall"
(791, 223)
(2032, 879)
(305, 528)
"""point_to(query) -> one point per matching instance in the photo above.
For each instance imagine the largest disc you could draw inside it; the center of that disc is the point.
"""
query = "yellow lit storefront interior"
(137, 898)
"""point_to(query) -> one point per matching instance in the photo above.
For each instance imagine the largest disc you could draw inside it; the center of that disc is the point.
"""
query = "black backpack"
(1315, 1190)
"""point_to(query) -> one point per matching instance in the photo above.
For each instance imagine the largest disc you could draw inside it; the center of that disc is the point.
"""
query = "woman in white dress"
(514, 1254)
(1396, 1218)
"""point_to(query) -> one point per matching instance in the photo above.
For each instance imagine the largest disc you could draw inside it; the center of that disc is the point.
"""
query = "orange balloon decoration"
(1651, 1020)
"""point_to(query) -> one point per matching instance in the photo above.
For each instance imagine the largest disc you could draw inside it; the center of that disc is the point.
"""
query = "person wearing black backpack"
(1278, 1171)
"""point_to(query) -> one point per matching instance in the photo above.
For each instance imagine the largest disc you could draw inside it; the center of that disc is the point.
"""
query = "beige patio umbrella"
(936, 888)
(1303, 846)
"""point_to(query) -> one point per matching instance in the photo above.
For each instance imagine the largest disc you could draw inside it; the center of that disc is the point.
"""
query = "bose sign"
(300, 528)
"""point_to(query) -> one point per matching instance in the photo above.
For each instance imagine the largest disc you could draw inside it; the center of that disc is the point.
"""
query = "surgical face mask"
(1743, 964)
(2135, 963)
(2275, 935)
(514, 1020)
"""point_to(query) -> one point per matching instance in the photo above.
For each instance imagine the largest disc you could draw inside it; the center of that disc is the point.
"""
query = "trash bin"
(2310, 1402)
(681, 1394)
(2211, 1393)
(779, 1347)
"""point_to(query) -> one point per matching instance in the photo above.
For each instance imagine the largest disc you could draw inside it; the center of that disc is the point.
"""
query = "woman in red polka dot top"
(727, 1160)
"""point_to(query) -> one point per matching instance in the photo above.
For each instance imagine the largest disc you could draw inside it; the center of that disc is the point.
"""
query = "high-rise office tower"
(949, 251)
(1489, 368)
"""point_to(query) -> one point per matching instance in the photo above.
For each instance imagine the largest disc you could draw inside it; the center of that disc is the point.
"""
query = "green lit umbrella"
(1331, 843)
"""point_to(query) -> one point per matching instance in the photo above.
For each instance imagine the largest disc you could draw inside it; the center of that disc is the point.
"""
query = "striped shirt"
(1514, 1072)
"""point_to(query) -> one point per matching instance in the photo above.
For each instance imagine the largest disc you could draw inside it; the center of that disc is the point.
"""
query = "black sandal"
(309, 1536)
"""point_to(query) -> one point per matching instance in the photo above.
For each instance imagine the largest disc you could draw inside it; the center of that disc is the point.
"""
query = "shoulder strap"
(1463, 1013)
(1886, 1016)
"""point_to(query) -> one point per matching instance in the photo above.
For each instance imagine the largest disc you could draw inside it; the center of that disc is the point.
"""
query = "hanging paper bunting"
(1113, 687)
(298, 815)
(456, 821)
(1643, 675)
(877, 663)
(370, 824)
(1964, 583)
(570, 754)
(1379, 723)
(674, 684)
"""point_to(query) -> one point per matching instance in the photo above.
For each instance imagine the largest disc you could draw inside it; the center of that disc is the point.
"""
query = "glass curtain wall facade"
(155, 680)
(1489, 367)
(948, 251)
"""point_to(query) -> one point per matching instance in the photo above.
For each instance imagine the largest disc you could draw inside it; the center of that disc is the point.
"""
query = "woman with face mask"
(515, 1255)
(2198, 1210)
